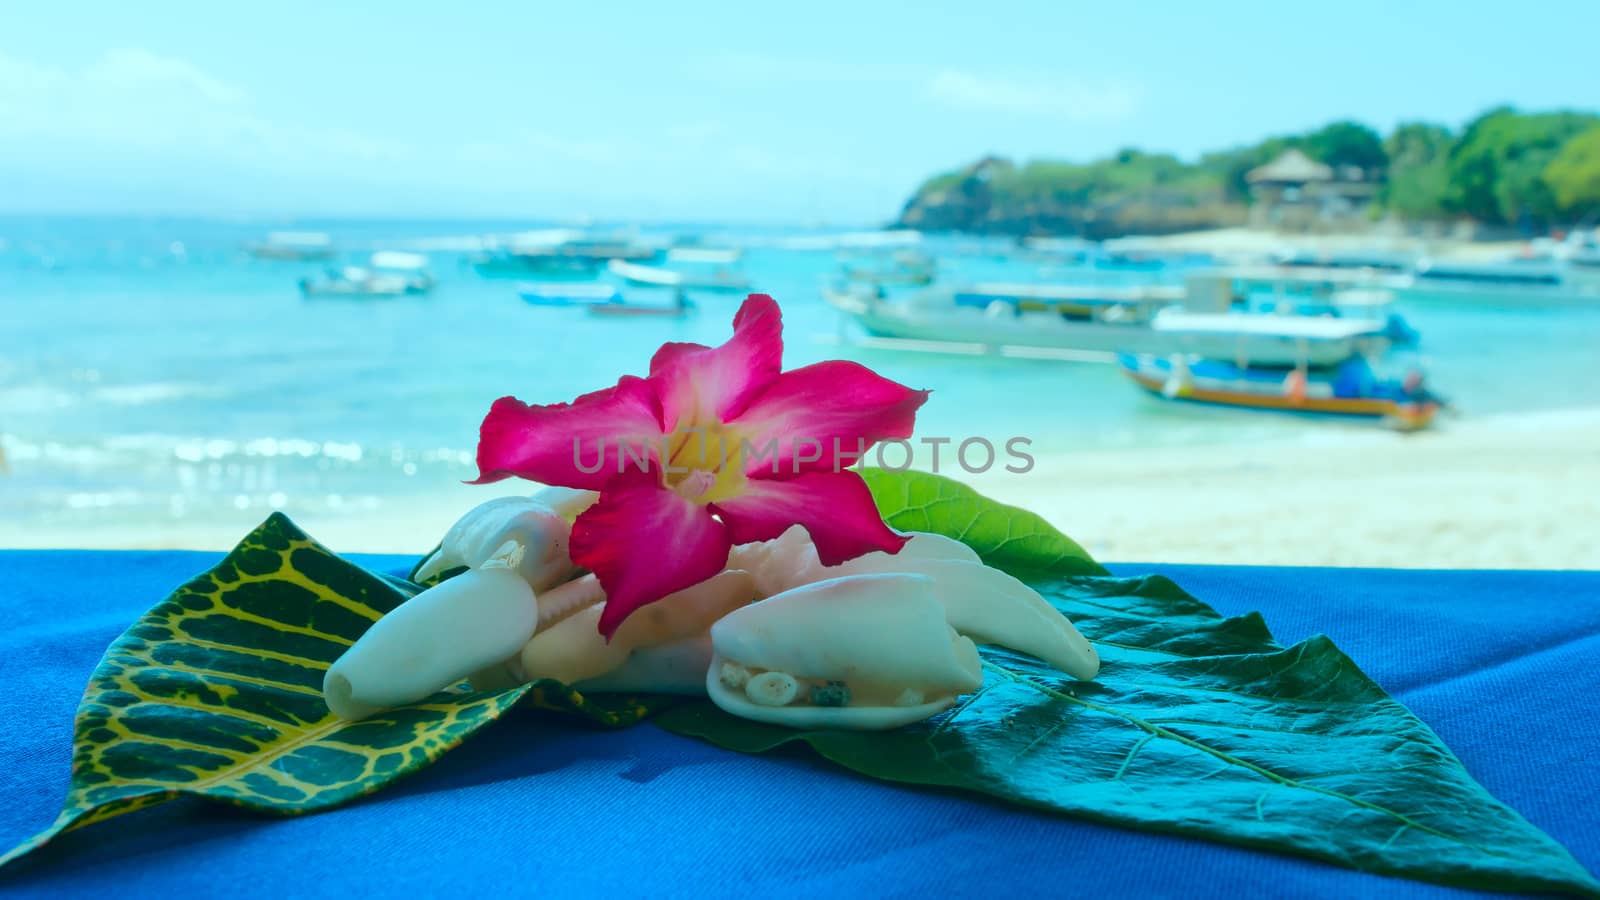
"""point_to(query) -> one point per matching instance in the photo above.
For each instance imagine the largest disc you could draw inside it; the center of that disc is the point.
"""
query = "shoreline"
(1502, 491)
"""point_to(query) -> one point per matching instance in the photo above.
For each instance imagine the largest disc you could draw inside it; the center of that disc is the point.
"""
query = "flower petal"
(671, 352)
(831, 410)
(835, 507)
(579, 444)
(710, 385)
(644, 542)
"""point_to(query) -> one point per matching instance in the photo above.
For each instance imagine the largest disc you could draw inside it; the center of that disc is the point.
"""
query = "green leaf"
(217, 693)
(1005, 536)
(1203, 726)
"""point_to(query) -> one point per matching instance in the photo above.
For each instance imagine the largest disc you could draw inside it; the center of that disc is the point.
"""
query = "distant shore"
(1516, 491)
(1242, 242)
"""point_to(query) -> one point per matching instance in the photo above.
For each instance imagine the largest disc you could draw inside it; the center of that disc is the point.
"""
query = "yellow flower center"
(705, 462)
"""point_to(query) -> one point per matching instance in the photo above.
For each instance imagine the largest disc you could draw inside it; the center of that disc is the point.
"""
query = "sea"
(152, 371)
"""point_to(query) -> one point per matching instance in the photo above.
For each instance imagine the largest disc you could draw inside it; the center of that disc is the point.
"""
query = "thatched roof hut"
(1292, 167)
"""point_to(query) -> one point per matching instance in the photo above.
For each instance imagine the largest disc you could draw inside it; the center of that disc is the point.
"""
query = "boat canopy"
(300, 239)
(1309, 328)
(394, 259)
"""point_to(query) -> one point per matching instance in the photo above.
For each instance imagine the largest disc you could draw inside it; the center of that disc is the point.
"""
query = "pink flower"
(716, 447)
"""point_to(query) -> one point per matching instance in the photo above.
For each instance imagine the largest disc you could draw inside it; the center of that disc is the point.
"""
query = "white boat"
(1269, 339)
(1089, 323)
(388, 273)
(1515, 273)
(294, 245)
(1070, 319)
(717, 279)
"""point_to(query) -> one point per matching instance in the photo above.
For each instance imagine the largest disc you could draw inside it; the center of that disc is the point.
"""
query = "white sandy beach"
(1495, 492)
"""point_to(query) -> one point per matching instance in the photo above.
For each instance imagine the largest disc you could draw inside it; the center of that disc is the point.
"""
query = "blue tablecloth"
(1501, 664)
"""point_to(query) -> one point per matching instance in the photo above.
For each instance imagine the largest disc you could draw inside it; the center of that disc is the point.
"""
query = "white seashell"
(992, 607)
(436, 639)
(572, 650)
(540, 523)
(879, 635)
(772, 689)
(790, 560)
(678, 667)
(733, 675)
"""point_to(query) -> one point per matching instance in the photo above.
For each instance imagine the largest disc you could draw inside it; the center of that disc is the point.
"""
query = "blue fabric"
(1499, 663)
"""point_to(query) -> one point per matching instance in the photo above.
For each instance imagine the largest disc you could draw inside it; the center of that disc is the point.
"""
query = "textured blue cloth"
(1500, 664)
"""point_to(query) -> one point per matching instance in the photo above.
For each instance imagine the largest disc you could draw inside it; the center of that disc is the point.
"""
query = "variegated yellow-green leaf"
(217, 693)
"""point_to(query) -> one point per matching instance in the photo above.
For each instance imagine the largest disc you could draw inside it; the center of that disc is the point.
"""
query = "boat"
(717, 279)
(513, 263)
(1369, 260)
(1335, 292)
(294, 245)
(679, 307)
(1070, 320)
(1211, 312)
(567, 294)
(558, 254)
(1269, 339)
(388, 273)
(903, 267)
(1520, 274)
(1351, 390)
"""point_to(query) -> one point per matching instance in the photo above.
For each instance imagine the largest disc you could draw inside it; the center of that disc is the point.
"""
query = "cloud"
(1065, 98)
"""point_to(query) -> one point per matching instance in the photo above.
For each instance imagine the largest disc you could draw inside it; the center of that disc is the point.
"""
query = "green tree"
(1497, 168)
(1418, 186)
(1573, 177)
(1347, 143)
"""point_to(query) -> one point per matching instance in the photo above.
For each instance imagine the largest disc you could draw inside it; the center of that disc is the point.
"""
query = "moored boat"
(568, 294)
(1351, 390)
(1269, 339)
(902, 267)
(388, 273)
(294, 245)
(1074, 318)
(716, 279)
(679, 307)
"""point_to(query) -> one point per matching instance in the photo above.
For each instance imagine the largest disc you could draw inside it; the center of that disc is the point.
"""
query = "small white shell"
(981, 602)
(539, 523)
(772, 689)
(572, 650)
(790, 560)
(435, 639)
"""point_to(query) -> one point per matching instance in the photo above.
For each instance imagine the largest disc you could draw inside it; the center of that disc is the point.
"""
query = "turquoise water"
(151, 370)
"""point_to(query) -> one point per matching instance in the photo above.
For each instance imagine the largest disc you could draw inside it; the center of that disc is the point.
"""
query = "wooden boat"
(567, 294)
(718, 279)
(1350, 390)
(294, 245)
(388, 273)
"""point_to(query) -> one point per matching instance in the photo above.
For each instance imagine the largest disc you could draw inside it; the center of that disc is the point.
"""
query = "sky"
(817, 112)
